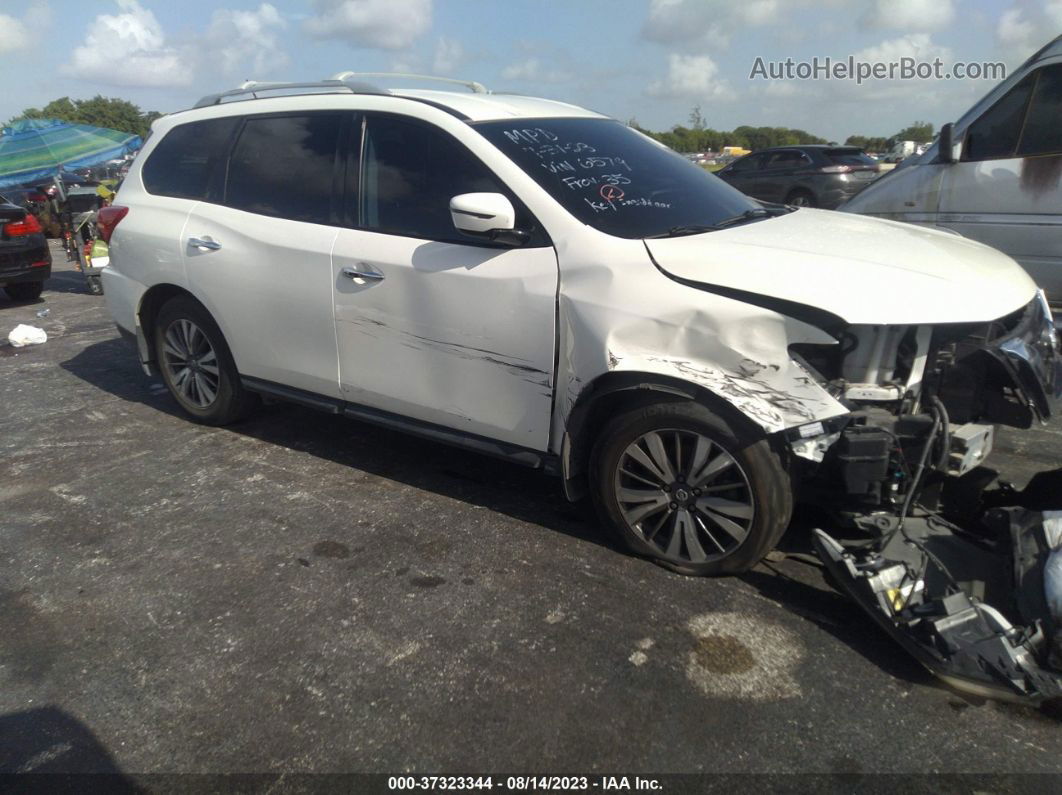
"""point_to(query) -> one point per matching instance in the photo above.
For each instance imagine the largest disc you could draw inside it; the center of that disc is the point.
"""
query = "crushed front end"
(956, 567)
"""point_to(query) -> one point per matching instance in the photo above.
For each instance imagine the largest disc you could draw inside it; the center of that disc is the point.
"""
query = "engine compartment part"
(978, 604)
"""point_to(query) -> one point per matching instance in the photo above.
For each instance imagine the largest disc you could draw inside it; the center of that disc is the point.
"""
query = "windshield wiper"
(695, 229)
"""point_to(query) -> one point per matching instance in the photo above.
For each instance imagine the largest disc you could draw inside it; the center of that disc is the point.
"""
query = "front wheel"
(682, 486)
(196, 364)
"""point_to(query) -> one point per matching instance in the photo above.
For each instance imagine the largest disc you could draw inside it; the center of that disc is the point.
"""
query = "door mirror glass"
(482, 214)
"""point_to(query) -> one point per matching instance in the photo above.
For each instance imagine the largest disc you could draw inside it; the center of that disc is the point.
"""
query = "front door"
(431, 324)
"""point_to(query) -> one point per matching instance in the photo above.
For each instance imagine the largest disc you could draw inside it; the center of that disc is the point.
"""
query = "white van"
(1000, 180)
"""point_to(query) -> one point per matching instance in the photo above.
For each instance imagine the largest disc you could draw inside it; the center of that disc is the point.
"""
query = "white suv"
(542, 283)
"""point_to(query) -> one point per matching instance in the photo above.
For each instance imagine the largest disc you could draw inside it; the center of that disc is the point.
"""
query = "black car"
(805, 176)
(25, 261)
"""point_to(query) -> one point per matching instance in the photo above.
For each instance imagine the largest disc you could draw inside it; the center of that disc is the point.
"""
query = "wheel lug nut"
(673, 505)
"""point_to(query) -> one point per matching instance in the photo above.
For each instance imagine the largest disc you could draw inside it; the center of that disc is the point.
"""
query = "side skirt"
(520, 455)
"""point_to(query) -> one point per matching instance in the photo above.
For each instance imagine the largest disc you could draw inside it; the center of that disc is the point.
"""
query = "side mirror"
(948, 150)
(487, 215)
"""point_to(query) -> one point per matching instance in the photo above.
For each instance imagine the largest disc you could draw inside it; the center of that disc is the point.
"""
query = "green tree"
(921, 132)
(100, 111)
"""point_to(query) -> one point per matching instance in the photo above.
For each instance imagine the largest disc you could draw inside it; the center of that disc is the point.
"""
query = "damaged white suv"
(539, 282)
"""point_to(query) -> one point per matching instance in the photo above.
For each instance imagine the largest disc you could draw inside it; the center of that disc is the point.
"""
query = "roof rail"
(253, 88)
(476, 88)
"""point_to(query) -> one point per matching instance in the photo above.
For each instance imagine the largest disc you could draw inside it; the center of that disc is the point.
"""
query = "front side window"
(286, 166)
(410, 171)
(183, 163)
(614, 178)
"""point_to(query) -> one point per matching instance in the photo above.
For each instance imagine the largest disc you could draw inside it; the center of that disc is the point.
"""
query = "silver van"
(994, 176)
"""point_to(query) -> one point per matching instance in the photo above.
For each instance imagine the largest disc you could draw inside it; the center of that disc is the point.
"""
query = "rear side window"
(1043, 123)
(787, 159)
(849, 157)
(182, 164)
(996, 133)
(285, 166)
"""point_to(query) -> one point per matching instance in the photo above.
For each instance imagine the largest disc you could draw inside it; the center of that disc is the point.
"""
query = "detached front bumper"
(977, 605)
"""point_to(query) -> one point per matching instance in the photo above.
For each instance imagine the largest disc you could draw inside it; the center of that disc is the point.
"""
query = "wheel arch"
(614, 392)
(154, 298)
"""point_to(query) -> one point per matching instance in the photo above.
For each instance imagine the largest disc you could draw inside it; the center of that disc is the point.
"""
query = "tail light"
(107, 219)
(27, 226)
(37, 197)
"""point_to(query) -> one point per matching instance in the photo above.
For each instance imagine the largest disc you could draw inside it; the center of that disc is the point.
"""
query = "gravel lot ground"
(307, 593)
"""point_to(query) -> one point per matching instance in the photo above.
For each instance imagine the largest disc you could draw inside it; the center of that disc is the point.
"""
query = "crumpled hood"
(864, 270)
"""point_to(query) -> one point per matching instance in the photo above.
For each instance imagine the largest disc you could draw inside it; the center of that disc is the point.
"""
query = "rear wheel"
(196, 364)
(801, 198)
(682, 486)
(24, 291)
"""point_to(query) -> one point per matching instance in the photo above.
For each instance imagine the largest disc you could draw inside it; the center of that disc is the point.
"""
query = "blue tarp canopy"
(32, 149)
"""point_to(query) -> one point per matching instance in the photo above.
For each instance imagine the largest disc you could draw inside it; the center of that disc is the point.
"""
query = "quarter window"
(184, 160)
(996, 133)
(1043, 123)
(285, 166)
(410, 173)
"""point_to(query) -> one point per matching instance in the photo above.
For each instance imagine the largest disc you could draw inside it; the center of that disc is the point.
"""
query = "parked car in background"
(805, 176)
(25, 262)
(995, 175)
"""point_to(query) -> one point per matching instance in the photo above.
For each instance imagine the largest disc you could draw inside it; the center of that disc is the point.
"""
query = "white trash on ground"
(22, 335)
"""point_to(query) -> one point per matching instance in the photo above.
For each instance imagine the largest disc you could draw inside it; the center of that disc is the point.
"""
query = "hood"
(863, 270)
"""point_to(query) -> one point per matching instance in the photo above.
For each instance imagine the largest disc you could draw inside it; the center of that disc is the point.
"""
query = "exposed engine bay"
(965, 572)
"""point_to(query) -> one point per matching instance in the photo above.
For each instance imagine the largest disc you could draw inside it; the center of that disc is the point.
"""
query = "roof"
(483, 107)
(479, 105)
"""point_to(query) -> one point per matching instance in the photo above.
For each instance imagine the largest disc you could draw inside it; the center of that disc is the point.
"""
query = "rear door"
(1007, 189)
(444, 328)
(258, 251)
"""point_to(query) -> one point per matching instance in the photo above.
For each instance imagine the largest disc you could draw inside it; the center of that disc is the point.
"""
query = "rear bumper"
(31, 262)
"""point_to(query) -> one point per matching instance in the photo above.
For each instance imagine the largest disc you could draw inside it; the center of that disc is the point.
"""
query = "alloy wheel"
(191, 363)
(684, 495)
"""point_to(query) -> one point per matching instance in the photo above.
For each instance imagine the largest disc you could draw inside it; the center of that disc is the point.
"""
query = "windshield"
(614, 178)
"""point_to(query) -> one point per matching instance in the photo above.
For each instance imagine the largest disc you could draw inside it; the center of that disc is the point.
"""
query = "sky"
(649, 60)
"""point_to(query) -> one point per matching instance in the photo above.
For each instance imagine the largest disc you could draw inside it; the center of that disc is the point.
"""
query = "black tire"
(801, 198)
(214, 398)
(95, 285)
(755, 493)
(24, 291)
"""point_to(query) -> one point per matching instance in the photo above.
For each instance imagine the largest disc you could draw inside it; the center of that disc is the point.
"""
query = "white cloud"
(1023, 29)
(128, 49)
(13, 34)
(247, 40)
(19, 34)
(912, 16)
(708, 22)
(376, 24)
(694, 76)
(531, 69)
(449, 54)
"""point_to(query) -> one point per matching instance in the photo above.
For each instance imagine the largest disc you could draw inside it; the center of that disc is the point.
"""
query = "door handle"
(355, 273)
(211, 245)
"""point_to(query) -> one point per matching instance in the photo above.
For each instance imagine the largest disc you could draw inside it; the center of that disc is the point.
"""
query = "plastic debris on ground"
(23, 335)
